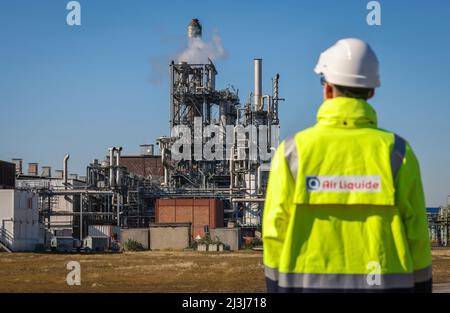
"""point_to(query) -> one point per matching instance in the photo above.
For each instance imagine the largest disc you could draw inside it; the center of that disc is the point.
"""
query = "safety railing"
(5, 239)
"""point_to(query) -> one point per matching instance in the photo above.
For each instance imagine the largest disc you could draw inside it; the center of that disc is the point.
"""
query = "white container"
(96, 243)
(62, 244)
(110, 231)
(103, 230)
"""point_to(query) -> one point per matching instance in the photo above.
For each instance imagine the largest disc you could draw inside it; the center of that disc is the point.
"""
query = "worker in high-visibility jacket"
(345, 209)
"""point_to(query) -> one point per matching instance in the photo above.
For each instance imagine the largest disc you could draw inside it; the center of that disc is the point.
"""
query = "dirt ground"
(151, 271)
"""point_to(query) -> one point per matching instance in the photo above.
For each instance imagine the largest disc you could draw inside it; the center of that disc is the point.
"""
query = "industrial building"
(141, 191)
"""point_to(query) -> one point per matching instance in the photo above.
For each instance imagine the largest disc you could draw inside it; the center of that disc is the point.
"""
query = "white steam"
(198, 51)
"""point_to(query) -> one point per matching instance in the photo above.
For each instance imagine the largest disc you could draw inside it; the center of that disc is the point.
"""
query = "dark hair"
(353, 92)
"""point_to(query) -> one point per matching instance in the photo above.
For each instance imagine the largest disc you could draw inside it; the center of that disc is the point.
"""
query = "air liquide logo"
(343, 183)
(312, 183)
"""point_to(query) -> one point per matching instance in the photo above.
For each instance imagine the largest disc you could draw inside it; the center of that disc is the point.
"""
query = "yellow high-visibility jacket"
(345, 208)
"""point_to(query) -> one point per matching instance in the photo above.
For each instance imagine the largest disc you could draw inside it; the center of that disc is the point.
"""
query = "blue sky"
(81, 89)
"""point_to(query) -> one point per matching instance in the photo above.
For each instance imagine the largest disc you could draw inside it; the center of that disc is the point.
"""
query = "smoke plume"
(198, 51)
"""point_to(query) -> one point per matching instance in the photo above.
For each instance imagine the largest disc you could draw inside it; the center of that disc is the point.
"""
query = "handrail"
(5, 234)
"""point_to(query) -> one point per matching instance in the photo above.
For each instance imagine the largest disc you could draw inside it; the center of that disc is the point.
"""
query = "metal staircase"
(4, 238)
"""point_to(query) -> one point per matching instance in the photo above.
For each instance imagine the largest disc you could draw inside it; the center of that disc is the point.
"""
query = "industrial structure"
(130, 192)
(439, 225)
(243, 137)
(211, 174)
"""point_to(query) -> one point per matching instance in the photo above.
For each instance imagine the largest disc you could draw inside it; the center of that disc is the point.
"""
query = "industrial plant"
(205, 178)
(154, 196)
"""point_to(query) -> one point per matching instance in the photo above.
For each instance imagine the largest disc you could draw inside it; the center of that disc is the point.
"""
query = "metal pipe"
(258, 179)
(111, 166)
(172, 109)
(118, 209)
(163, 161)
(231, 168)
(268, 102)
(65, 172)
(248, 200)
(68, 213)
(88, 176)
(117, 166)
(78, 191)
(81, 217)
(257, 96)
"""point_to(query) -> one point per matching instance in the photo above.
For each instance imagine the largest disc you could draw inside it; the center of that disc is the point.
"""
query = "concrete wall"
(140, 235)
(198, 212)
(231, 237)
(170, 236)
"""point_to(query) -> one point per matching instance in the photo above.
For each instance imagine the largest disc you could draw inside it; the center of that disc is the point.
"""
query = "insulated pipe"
(248, 200)
(111, 166)
(163, 161)
(166, 177)
(117, 166)
(119, 198)
(231, 169)
(65, 172)
(81, 217)
(268, 102)
(258, 179)
(257, 95)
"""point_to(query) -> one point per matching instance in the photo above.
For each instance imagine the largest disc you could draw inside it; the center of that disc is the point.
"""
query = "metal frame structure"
(111, 195)
(239, 180)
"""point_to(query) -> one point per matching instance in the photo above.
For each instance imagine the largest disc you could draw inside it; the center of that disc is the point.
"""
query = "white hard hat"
(350, 62)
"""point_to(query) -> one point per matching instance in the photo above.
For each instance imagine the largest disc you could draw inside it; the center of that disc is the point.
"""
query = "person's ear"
(371, 94)
(327, 91)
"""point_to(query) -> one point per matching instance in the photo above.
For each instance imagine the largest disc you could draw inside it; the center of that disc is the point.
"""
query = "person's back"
(344, 207)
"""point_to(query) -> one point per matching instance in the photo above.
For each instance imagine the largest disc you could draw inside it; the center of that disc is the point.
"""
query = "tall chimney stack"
(33, 169)
(194, 29)
(18, 163)
(257, 64)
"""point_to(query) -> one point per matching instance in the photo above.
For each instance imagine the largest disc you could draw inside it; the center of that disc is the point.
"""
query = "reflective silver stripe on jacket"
(271, 273)
(397, 154)
(423, 274)
(291, 156)
(347, 281)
